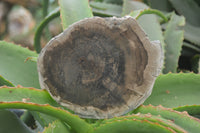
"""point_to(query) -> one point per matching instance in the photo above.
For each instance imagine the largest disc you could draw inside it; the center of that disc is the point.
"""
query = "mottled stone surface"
(100, 67)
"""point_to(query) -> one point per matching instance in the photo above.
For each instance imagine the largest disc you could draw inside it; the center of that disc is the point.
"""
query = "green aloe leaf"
(163, 5)
(43, 119)
(10, 123)
(148, 22)
(74, 10)
(76, 124)
(173, 90)
(105, 9)
(30, 95)
(3, 82)
(193, 110)
(174, 40)
(45, 5)
(189, 9)
(192, 34)
(13, 67)
(119, 2)
(138, 13)
(189, 49)
(130, 126)
(157, 120)
(181, 119)
(56, 127)
(42, 25)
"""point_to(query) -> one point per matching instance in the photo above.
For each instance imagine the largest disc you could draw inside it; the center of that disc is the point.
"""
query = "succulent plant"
(104, 59)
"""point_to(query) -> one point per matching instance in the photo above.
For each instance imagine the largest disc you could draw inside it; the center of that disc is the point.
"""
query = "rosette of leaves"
(174, 91)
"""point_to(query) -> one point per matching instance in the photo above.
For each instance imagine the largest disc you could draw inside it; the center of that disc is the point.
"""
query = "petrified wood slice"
(100, 67)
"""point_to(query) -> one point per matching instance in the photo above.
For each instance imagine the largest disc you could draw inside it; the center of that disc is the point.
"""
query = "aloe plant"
(174, 105)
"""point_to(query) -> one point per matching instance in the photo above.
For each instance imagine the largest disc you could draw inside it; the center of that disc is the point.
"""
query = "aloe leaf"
(130, 126)
(45, 4)
(181, 119)
(119, 2)
(193, 110)
(189, 47)
(148, 22)
(174, 40)
(29, 95)
(147, 117)
(29, 120)
(138, 13)
(74, 10)
(77, 124)
(42, 119)
(163, 5)
(13, 67)
(10, 123)
(56, 127)
(173, 90)
(3, 82)
(192, 34)
(189, 9)
(105, 9)
(42, 25)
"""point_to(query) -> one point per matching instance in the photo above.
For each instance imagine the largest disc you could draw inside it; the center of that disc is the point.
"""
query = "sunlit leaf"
(148, 22)
(105, 9)
(74, 10)
(193, 110)
(173, 90)
(156, 122)
(189, 9)
(3, 82)
(13, 67)
(174, 36)
(182, 119)
(77, 124)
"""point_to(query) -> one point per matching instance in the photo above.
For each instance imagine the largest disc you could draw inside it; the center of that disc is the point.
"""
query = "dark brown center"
(88, 69)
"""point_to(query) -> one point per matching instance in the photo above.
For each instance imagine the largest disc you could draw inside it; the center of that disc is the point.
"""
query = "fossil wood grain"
(100, 67)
